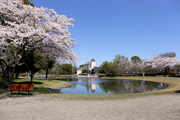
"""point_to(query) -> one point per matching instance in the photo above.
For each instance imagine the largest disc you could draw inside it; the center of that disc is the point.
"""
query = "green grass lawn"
(48, 88)
(41, 86)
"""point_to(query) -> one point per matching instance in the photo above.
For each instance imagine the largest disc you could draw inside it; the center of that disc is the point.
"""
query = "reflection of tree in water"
(88, 86)
(73, 87)
(130, 86)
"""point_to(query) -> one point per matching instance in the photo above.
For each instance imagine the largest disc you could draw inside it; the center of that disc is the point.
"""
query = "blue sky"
(105, 28)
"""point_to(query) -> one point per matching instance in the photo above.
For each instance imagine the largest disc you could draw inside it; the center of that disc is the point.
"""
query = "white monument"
(91, 65)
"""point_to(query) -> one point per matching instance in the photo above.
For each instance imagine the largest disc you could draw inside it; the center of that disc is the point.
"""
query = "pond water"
(101, 86)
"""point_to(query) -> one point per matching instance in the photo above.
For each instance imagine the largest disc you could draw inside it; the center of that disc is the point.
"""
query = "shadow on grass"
(177, 91)
(45, 90)
(27, 82)
(66, 79)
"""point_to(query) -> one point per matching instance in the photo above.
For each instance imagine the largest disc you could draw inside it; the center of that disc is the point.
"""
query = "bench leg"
(28, 93)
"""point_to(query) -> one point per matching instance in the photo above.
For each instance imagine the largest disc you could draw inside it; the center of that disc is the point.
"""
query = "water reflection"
(130, 86)
(100, 86)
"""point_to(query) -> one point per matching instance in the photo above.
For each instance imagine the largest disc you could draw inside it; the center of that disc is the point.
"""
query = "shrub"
(102, 75)
(161, 73)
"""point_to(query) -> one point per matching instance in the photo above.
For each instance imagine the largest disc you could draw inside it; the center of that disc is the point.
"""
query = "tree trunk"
(143, 74)
(47, 72)
(32, 75)
(27, 75)
(7, 77)
(17, 75)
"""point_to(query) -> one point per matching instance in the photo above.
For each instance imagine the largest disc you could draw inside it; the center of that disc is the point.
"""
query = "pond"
(102, 86)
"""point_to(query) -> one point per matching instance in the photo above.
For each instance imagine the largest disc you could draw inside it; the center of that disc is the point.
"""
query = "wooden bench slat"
(21, 87)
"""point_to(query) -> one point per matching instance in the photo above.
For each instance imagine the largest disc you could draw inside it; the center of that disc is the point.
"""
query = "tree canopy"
(164, 63)
(66, 69)
(27, 2)
(168, 54)
(136, 60)
(28, 28)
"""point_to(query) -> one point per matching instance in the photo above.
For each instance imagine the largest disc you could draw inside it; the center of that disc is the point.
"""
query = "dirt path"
(154, 107)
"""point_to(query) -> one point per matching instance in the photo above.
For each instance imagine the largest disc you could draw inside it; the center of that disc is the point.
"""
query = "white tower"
(93, 64)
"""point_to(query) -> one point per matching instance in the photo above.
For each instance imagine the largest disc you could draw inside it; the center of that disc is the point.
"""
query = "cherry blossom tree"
(164, 64)
(135, 64)
(24, 27)
(142, 66)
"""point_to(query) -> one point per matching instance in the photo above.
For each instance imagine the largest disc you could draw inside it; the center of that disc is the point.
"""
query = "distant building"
(92, 64)
(79, 71)
(92, 67)
(96, 70)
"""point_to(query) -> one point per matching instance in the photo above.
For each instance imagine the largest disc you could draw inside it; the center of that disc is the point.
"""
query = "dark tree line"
(33, 62)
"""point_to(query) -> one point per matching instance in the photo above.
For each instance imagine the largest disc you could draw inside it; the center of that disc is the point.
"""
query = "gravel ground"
(152, 107)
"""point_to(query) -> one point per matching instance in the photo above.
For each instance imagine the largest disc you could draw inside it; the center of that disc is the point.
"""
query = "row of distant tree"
(164, 64)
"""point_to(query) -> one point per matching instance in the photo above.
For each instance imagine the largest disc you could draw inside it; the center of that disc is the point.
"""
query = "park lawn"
(54, 84)
(53, 76)
(41, 86)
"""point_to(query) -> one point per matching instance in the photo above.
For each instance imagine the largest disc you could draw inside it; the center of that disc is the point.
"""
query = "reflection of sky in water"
(100, 86)
(85, 86)
(83, 90)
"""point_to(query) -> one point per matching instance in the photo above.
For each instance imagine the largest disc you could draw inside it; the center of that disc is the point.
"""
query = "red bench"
(21, 87)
